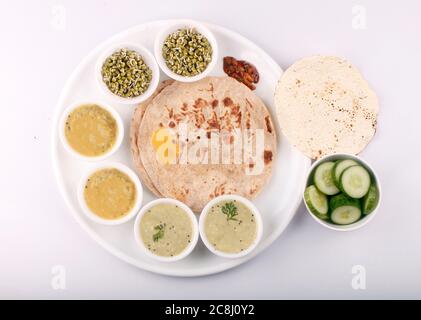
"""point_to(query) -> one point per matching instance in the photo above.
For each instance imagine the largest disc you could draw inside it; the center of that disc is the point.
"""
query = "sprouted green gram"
(126, 74)
(160, 229)
(230, 210)
(187, 52)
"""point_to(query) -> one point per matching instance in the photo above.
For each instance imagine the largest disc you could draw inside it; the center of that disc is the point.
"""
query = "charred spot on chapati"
(267, 156)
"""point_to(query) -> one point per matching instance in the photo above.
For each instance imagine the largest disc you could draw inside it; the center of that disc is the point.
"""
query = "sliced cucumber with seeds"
(344, 210)
(355, 182)
(316, 202)
(370, 200)
(323, 179)
(339, 167)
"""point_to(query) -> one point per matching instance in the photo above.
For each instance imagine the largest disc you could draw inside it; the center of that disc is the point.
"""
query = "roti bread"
(212, 104)
(325, 106)
(134, 129)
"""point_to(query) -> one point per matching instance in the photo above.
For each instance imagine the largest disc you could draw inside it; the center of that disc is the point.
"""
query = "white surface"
(307, 261)
(278, 203)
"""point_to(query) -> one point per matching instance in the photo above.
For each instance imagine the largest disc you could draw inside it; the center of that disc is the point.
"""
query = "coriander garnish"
(126, 74)
(160, 228)
(230, 210)
(187, 52)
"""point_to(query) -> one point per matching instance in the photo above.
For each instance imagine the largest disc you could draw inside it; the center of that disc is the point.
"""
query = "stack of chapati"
(213, 104)
(325, 106)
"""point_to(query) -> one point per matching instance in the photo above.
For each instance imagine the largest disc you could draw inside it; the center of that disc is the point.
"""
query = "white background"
(38, 232)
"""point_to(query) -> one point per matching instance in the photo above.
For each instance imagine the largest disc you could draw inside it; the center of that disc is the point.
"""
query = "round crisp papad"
(199, 140)
(325, 106)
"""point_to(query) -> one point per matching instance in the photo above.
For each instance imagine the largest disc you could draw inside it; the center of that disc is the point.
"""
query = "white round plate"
(277, 203)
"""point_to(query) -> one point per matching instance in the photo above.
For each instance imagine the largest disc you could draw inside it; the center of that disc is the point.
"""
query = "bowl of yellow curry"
(91, 131)
(110, 193)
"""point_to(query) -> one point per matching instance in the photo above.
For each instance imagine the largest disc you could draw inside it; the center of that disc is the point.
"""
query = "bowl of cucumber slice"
(342, 192)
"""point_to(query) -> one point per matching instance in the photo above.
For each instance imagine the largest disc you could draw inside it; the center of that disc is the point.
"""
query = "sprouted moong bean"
(187, 52)
(126, 74)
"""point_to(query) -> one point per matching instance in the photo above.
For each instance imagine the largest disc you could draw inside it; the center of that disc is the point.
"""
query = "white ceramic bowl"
(258, 220)
(360, 223)
(69, 149)
(181, 24)
(112, 165)
(149, 60)
(193, 240)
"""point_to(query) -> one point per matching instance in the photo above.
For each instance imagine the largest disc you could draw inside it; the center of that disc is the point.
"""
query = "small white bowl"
(366, 219)
(69, 149)
(149, 60)
(111, 165)
(182, 24)
(193, 240)
(258, 219)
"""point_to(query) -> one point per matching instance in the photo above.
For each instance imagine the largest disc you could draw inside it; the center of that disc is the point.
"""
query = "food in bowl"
(342, 192)
(126, 74)
(187, 52)
(166, 229)
(230, 226)
(110, 194)
(91, 130)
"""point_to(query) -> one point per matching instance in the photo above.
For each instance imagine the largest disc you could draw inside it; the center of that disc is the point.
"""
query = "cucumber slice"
(344, 210)
(370, 200)
(323, 179)
(339, 167)
(355, 182)
(316, 202)
(345, 215)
